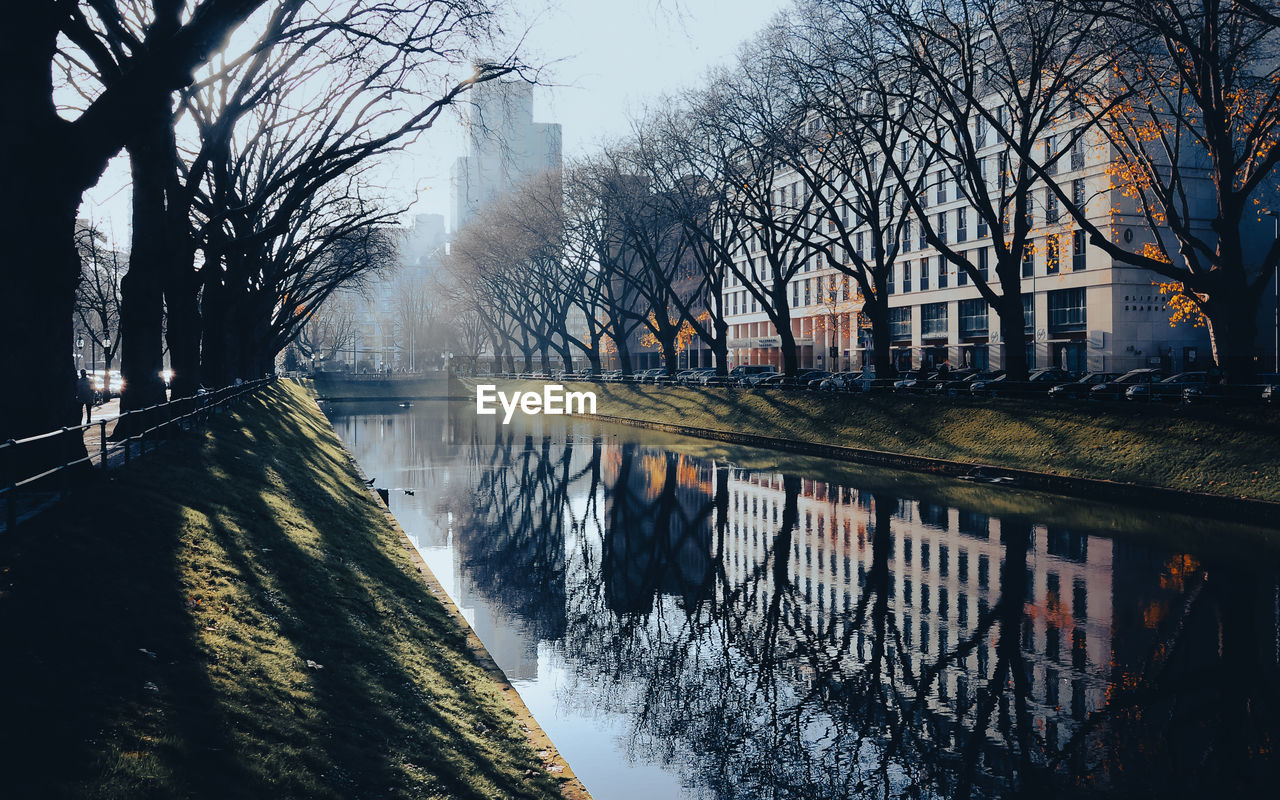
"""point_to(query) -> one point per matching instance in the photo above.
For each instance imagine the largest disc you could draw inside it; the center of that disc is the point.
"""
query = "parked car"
(961, 381)
(1039, 381)
(1082, 387)
(1168, 389)
(840, 382)
(813, 377)
(1233, 393)
(737, 374)
(1114, 390)
(754, 378)
(914, 382)
(693, 377)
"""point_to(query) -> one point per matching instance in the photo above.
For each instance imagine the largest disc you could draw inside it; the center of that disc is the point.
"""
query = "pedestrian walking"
(84, 396)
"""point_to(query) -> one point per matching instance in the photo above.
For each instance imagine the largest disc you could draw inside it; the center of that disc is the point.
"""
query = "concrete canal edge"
(1251, 510)
(571, 787)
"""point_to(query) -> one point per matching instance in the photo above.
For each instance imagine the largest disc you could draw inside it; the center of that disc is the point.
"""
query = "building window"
(924, 274)
(1050, 207)
(973, 317)
(1028, 314)
(962, 224)
(942, 272)
(1028, 260)
(1051, 261)
(906, 236)
(982, 227)
(984, 256)
(933, 319)
(1077, 193)
(1050, 153)
(900, 323)
(888, 283)
(1077, 251)
(941, 229)
(808, 298)
(906, 276)
(941, 184)
(1066, 310)
(857, 243)
(1077, 154)
(962, 276)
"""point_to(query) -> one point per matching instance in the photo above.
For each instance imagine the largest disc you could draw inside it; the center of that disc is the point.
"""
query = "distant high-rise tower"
(505, 147)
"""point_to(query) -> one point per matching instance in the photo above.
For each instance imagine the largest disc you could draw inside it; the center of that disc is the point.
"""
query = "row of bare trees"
(845, 135)
(251, 129)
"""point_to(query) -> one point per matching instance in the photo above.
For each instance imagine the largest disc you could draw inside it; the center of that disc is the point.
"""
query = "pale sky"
(614, 57)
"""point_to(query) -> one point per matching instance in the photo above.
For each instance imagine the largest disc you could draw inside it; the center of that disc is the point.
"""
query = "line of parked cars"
(1146, 384)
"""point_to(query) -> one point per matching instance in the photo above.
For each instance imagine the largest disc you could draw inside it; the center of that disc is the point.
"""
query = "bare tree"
(737, 118)
(416, 309)
(1192, 115)
(982, 81)
(98, 293)
(331, 327)
(49, 156)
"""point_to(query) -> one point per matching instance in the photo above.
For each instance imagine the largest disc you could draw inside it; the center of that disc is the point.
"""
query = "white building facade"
(1084, 312)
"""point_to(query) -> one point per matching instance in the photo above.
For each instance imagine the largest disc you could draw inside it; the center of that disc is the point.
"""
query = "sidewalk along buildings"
(1084, 311)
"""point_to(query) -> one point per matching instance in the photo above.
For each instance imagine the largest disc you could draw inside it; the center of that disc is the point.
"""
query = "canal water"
(689, 619)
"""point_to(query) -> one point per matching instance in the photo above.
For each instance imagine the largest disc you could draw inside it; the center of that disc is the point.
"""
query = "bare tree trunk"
(142, 299)
(1013, 335)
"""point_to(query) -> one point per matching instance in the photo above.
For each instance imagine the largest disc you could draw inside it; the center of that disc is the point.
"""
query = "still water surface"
(693, 620)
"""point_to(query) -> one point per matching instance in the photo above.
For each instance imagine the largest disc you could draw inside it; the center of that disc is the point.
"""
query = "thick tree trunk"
(214, 355)
(1013, 336)
(881, 338)
(1233, 332)
(39, 265)
(181, 296)
(720, 348)
(36, 308)
(141, 291)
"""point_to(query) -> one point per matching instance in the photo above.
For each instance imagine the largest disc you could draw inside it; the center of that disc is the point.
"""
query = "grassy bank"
(233, 616)
(1231, 452)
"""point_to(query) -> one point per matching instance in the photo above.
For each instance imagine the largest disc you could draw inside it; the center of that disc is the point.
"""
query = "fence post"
(64, 482)
(11, 484)
(102, 443)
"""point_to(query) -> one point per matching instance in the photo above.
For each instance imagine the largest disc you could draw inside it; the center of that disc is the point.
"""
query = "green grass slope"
(159, 625)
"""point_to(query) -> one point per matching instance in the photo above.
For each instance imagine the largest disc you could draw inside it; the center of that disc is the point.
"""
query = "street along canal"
(691, 619)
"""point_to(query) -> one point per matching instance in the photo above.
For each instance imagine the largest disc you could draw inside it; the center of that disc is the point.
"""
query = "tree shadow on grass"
(103, 681)
(271, 557)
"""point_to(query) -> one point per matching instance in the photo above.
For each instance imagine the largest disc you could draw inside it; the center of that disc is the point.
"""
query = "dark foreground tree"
(50, 156)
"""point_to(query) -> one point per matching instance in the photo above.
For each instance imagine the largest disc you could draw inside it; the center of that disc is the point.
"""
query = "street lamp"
(1275, 281)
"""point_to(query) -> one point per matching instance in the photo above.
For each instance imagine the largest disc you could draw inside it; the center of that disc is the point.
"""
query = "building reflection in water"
(770, 635)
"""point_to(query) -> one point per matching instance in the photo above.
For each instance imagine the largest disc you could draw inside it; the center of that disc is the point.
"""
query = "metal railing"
(137, 429)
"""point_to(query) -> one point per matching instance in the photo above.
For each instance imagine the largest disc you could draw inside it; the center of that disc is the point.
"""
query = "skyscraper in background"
(505, 147)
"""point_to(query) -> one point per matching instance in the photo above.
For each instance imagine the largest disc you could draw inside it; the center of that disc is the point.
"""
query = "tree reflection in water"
(776, 637)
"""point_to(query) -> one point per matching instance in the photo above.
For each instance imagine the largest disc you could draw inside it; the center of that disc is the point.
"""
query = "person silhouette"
(84, 396)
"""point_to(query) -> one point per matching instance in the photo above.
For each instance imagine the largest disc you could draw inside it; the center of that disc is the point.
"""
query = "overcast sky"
(614, 56)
